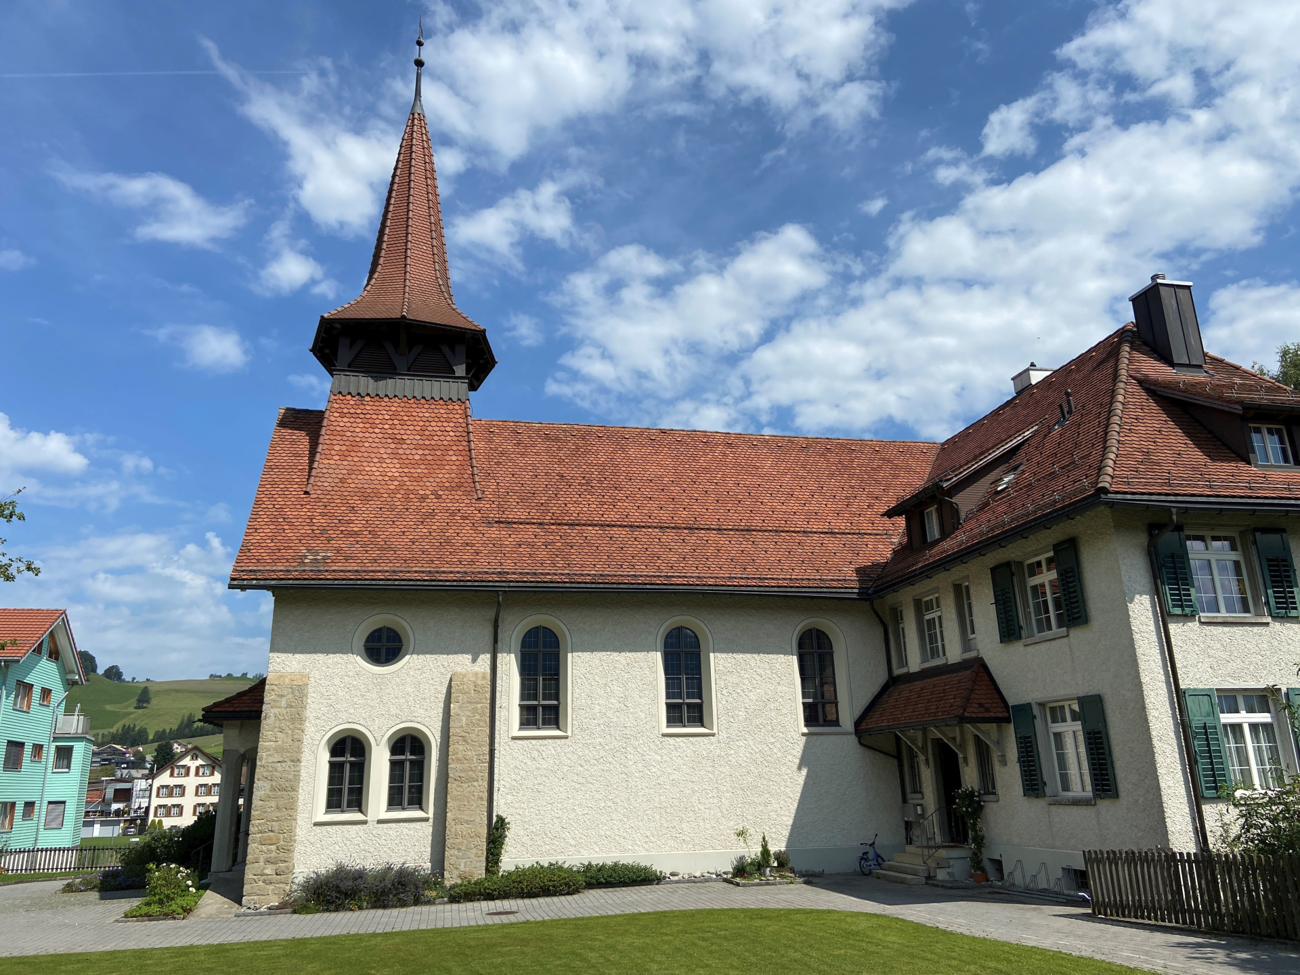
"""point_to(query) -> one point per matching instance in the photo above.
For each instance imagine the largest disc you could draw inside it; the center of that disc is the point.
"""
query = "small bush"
(745, 867)
(618, 874)
(536, 881)
(78, 885)
(496, 844)
(183, 846)
(123, 878)
(764, 854)
(781, 858)
(352, 888)
(171, 890)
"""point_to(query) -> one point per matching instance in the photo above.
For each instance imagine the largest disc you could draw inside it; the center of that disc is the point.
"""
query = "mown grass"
(111, 704)
(718, 942)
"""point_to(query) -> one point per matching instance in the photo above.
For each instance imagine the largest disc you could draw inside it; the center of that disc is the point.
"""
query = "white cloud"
(317, 387)
(14, 260)
(497, 230)
(873, 206)
(206, 347)
(1009, 130)
(24, 451)
(1253, 318)
(525, 329)
(176, 213)
(288, 268)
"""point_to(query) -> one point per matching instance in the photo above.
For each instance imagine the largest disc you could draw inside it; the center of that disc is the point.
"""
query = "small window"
(539, 679)
(1066, 731)
(53, 651)
(1271, 446)
(899, 633)
(347, 775)
(214, 789)
(931, 515)
(988, 783)
(6, 817)
(817, 679)
(38, 752)
(54, 814)
(683, 679)
(63, 758)
(199, 808)
(14, 756)
(205, 770)
(406, 773)
(1044, 593)
(965, 616)
(1251, 741)
(201, 789)
(29, 809)
(912, 766)
(383, 645)
(159, 812)
(178, 810)
(1219, 574)
(46, 696)
(178, 791)
(931, 618)
(180, 771)
(163, 791)
(22, 696)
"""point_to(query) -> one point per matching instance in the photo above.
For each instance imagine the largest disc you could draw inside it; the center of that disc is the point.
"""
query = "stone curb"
(156, 917)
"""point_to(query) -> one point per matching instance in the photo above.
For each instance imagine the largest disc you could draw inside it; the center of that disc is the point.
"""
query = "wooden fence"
(1227, 892)
(56, 859)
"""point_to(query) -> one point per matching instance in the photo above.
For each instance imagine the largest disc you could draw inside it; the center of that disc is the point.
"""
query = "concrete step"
(913, 869)
(897, 878)
(952, 852)
(934, 860)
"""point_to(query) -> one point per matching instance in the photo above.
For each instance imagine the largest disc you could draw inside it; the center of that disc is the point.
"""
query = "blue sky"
(839, 217)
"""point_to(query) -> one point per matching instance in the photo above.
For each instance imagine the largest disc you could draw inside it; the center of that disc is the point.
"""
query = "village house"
(632, 642)
(185, 788)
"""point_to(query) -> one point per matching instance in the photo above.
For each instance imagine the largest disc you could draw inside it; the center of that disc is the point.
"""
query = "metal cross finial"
(416, 106)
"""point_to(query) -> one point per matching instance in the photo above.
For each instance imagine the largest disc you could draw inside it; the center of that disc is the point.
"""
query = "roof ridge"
(715, 433)
(1106, 472)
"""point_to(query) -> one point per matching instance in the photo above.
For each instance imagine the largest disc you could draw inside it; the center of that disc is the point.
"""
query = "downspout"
(884, 628)
(492, 716)
(1189, 752)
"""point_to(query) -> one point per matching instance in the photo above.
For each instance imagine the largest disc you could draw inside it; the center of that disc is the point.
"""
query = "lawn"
(110, 703)
(720, 942)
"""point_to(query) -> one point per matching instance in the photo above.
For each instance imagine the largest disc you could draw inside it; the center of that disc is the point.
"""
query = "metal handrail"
(929, 836)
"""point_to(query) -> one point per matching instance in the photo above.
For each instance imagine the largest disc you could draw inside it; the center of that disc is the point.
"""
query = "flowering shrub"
(345, 887)
(170, 890)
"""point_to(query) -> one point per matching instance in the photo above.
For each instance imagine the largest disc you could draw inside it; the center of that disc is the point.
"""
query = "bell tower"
(403, 335)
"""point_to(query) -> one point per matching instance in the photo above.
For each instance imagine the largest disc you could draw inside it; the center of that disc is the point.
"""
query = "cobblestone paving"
(35, 919)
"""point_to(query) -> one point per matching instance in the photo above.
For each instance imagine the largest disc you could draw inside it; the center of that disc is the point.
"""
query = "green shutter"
(1279, 572)
(1071, 581)
(1096, 742)
(1175, 573)
(1207, 740)
(1031, 778)
(1004, 602)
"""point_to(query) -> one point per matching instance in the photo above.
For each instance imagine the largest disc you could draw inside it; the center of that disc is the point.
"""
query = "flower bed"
(171, 891)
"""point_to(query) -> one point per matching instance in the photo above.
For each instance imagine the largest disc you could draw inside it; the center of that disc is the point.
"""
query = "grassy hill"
(111, 704)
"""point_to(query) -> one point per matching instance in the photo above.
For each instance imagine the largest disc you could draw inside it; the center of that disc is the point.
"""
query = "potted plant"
(970, 806)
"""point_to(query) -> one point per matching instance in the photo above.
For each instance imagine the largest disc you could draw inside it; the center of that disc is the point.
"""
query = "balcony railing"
(72, 724)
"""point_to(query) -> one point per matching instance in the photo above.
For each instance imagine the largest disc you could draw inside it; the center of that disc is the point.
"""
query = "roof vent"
(1166, 322)
(1027, 377)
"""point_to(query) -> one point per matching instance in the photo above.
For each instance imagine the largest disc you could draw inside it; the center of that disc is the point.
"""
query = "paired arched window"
(683, 679)
(345, 787)
(406, 773)
(539, 680)
(383, 645)
(817, 678)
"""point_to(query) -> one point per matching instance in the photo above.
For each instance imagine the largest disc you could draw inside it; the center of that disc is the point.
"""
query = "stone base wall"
(272, 828)
(467, 776)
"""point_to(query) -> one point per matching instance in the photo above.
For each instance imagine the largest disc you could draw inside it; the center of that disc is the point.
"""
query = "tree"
(1288, 365)
(163, 755)
(88, 663)
(144, 698)
(12, 566)
(114, 672)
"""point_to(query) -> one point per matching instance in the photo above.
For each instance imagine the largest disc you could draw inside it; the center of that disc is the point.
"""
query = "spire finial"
(416, 107)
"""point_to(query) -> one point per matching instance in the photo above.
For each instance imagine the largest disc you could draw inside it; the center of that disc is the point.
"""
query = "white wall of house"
(164, 808)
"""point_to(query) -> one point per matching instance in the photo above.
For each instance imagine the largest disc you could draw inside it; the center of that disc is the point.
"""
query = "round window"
(383, 645)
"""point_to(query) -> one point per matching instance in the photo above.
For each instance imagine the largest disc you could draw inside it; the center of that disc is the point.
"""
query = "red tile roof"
(245, 705)
(22, 629)
(958, 694)
(379, 489)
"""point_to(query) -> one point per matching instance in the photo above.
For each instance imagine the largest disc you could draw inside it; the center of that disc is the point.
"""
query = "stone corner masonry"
(467, 776)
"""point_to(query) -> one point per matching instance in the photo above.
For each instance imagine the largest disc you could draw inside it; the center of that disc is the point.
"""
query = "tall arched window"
(817, 678)
(383, 645)
(683, 679)
(347, 775)
(406, 773)
(539, 679)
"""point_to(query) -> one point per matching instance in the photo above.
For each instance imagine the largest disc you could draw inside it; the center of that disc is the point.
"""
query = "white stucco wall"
(616, 786)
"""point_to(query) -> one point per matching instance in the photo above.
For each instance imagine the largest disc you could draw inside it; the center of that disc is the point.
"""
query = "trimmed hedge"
(618, 874)
(536, 881)
(351, 888)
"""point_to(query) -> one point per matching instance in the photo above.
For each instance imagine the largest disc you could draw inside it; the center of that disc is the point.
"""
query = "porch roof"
(963, 693)
(246, 705)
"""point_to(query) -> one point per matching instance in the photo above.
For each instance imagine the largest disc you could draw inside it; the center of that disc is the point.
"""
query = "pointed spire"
(408, 279)
(417, 108)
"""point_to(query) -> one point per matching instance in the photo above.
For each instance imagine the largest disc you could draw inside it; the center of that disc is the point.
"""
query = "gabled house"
(185, 788)
(46, 752)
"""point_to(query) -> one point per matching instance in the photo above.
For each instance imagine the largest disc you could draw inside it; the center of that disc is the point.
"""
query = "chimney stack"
(1166, 321)
(1027, 377)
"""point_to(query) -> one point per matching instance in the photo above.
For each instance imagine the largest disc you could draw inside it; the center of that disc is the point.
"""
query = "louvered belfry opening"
(405, 323)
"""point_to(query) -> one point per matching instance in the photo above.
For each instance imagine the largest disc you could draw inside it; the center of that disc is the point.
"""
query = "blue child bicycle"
(870, 858)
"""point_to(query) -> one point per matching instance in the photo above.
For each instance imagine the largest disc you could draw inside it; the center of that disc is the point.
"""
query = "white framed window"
(1250, 740)
(178, 810)
(201, 790)
(685, 678)
(540, 681)
(1271, 445)
(347, 761)
(214, 789)
(62, 758)
(383, 643)
(22, 696)
(1065, 730)
(1045, 605)
(345, 785)
(1219, 574)
(965, 616)
(406, 773)
(988, 780)
(929, 615)
(898, 630)
(822, 678)
(178, 791)
(932, 525)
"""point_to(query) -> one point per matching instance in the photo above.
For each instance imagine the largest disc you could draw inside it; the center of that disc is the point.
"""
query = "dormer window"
(1005, 480)
(1271, 445)
(931, 516)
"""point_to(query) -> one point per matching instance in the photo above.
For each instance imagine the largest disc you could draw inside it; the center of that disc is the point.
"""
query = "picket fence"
(56, 859)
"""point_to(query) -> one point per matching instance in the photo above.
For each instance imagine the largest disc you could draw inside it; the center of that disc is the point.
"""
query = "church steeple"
(405, 322)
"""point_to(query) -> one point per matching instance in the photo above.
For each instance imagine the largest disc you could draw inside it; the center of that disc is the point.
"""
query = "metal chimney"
(1166, 321)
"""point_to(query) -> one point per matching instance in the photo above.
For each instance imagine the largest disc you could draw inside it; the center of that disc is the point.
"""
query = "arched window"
(539, 679)
(406, 773)
(347, 775)
(383, 645)
(817, 678)
(683, 679)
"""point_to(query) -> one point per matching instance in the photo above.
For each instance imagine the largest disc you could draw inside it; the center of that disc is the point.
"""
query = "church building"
(633, 642)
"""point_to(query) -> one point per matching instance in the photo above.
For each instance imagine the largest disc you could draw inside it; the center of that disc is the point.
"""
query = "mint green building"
(46, 752)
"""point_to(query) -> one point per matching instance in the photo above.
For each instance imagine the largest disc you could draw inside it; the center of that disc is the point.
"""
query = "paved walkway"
(35, 919)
